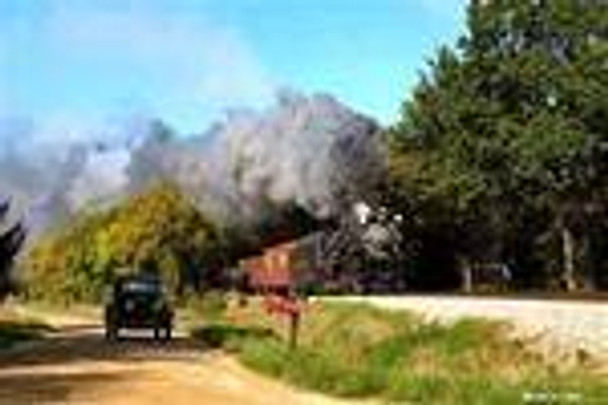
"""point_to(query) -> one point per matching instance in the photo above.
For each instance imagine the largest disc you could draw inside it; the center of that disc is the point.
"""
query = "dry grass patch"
(360, 351)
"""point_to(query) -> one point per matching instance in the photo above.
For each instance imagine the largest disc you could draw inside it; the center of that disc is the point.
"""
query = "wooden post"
(294, 325)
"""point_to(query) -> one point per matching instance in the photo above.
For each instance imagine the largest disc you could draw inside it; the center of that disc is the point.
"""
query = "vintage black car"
(138, 302)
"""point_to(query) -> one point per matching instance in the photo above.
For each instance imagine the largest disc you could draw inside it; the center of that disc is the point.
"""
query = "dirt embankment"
(75, 365)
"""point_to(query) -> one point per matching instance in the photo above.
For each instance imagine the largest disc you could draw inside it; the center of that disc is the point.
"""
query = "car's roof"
(143, 277)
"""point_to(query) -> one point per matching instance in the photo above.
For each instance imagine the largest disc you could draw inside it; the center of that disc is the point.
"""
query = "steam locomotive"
(363, 254)
(358, 255)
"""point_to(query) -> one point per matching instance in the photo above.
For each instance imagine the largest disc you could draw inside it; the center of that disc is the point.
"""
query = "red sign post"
(289, 307)
(273, 274)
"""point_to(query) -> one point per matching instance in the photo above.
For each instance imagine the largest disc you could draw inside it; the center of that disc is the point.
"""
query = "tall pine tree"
(11, 239)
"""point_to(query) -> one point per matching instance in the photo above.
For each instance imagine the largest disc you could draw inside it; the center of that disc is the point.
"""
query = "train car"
(289, 265)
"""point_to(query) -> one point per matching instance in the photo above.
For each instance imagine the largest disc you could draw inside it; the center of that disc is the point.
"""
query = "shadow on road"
(75, 344)
(35, 388)
(77, 359)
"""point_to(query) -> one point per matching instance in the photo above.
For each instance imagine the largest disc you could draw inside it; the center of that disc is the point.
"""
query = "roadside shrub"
(14, 331)
(208, 306)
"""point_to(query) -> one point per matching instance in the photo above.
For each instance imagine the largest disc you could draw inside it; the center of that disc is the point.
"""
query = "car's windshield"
(141, 287)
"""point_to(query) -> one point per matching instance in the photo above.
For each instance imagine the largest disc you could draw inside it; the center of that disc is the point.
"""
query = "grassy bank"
(358, 351)
(15, 329)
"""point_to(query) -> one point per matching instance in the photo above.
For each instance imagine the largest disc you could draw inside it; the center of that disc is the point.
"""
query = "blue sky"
(81, 62)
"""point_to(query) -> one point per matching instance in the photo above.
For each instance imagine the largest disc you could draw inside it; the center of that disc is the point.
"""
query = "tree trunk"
(466, 273)
(588, 277)
(568, 248)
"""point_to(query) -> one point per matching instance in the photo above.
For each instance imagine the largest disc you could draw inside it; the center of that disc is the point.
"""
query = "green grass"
(359, 351)
(209, 306)
(14, 329)
(227, 336)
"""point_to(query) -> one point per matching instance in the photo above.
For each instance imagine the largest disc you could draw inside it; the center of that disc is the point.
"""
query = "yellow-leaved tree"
(159, 230)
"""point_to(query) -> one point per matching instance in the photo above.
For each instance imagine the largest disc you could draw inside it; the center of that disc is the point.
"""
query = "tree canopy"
(11, 240)
(159, 230)
(510, 131)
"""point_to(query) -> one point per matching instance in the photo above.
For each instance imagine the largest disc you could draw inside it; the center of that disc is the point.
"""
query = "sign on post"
(289, 307)
(275, 274)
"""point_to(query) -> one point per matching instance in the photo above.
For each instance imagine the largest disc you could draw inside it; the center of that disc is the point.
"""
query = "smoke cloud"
(311, 151)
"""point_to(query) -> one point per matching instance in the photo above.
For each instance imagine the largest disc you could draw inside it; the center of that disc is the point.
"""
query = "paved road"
(561, 328)
(76, 366)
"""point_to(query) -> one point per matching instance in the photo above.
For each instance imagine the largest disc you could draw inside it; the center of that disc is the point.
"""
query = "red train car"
(286, 265)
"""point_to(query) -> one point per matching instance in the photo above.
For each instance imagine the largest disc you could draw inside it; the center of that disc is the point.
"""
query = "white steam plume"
(311, 151)
(307, 150)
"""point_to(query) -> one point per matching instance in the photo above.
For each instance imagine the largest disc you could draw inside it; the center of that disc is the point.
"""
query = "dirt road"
(76, 366)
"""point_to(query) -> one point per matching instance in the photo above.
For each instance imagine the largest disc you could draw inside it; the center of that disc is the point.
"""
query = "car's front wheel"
(111, 332)
(162, 332)
(111, 326)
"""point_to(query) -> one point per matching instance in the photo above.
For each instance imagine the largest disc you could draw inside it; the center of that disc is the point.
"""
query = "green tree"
(159, 230)
(11, 239)
(515, 121)
(63, 264)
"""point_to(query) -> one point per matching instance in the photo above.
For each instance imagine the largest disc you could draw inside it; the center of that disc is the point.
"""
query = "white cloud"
(103, 177)
(116, 58)
(193, 59)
